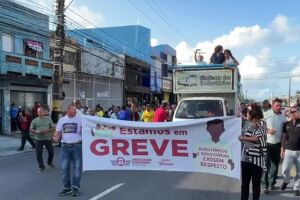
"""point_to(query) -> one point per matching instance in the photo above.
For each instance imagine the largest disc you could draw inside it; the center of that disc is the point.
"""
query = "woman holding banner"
(253, 160)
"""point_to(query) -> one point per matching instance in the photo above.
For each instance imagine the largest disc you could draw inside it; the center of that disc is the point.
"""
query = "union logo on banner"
(120, 161)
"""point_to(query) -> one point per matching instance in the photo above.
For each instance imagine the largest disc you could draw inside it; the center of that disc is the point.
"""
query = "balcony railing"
(10, 62)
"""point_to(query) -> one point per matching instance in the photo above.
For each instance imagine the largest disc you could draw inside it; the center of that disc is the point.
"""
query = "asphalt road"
(18, 181)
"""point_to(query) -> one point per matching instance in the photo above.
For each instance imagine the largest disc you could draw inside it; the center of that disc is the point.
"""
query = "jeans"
(250, 171)
(39, 144)
(273, 160)
(71, 154)
(25, 137)
(290, 158)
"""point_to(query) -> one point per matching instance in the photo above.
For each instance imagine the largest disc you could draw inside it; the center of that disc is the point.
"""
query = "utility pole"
(289, 101)
(58, 78)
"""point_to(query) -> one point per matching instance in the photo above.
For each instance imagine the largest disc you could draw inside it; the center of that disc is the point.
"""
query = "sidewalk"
(10, 143)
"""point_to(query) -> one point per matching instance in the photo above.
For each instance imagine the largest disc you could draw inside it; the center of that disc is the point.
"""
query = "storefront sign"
(37, 46)
(167, 85)
(204, 145)
(204, 81)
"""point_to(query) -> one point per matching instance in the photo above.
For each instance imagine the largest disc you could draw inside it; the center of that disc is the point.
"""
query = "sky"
(264, 36)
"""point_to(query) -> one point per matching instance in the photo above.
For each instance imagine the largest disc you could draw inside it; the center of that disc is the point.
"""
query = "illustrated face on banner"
(215, 128)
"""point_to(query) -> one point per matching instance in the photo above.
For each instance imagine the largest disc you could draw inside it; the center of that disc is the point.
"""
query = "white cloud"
(249, 67)
(237, 38)
(154, 42)
(87, 19)
(289, 31)
(295, 73)
(242, 36)
(262, 93)
(184, 52)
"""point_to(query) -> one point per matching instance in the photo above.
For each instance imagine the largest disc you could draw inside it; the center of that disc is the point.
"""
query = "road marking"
(109, 190)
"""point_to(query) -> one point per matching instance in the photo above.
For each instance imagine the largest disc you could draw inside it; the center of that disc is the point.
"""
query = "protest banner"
(206, 145)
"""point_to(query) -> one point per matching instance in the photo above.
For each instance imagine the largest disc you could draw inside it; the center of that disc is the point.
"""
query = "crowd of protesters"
(269, 135)
(130, 112)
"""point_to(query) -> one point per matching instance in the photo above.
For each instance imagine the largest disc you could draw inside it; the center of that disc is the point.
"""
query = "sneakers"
(65, 192)
(75, 192)
(283, 186)
(52, 165)
(296, 193)
(266, 191)
(42, 170)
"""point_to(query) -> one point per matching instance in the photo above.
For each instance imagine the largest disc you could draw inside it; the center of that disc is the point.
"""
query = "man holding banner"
(68, 130)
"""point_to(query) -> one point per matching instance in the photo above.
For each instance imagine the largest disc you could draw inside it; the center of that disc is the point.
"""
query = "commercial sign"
(203, 81)
(167, 85)
(37, 46)
(206, 145)
(102, 63)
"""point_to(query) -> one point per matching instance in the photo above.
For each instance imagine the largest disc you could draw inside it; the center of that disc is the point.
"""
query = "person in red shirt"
(161, 113)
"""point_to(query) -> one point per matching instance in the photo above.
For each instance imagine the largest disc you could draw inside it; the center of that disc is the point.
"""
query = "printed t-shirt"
(70, 129)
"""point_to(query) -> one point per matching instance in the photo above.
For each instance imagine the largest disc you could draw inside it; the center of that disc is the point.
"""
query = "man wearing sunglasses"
(290, 150)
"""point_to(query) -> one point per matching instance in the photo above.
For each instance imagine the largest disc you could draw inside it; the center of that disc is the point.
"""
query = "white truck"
(206, 91)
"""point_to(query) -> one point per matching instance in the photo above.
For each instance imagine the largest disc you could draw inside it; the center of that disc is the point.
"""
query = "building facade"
(167, 56)
(25, 67)
(123, 52)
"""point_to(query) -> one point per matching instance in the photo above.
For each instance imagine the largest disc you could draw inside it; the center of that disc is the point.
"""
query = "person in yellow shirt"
(148, 114)
(99, 111)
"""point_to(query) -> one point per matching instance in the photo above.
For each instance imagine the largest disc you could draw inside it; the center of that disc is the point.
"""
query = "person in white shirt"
(68, 130)
(275, 120)
(229, 59)
(77, 104)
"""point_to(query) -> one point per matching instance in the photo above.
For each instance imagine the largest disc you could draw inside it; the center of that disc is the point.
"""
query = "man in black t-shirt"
(290, 150)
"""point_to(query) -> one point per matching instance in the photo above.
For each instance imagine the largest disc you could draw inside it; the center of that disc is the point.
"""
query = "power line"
(47, 36)
(150, 19)
(165, 18)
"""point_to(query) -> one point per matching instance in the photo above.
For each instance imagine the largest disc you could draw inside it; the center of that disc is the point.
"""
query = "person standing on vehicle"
(68, 131)
(290, 150)
(218, 56)
(42, 127)
(275, 121)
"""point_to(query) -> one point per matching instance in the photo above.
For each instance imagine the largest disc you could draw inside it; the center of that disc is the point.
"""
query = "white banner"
(206, 145)
(190, 81)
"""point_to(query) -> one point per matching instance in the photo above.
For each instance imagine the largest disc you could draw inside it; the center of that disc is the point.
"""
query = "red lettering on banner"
(116, 147)
(176, 148)
(139, 145)
(159, 151)
(104, 148)
(123, 130)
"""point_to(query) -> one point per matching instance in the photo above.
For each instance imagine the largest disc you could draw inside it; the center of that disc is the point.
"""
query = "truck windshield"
(195, 109)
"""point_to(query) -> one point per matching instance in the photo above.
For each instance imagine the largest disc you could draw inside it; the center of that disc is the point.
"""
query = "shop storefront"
(23, 92)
